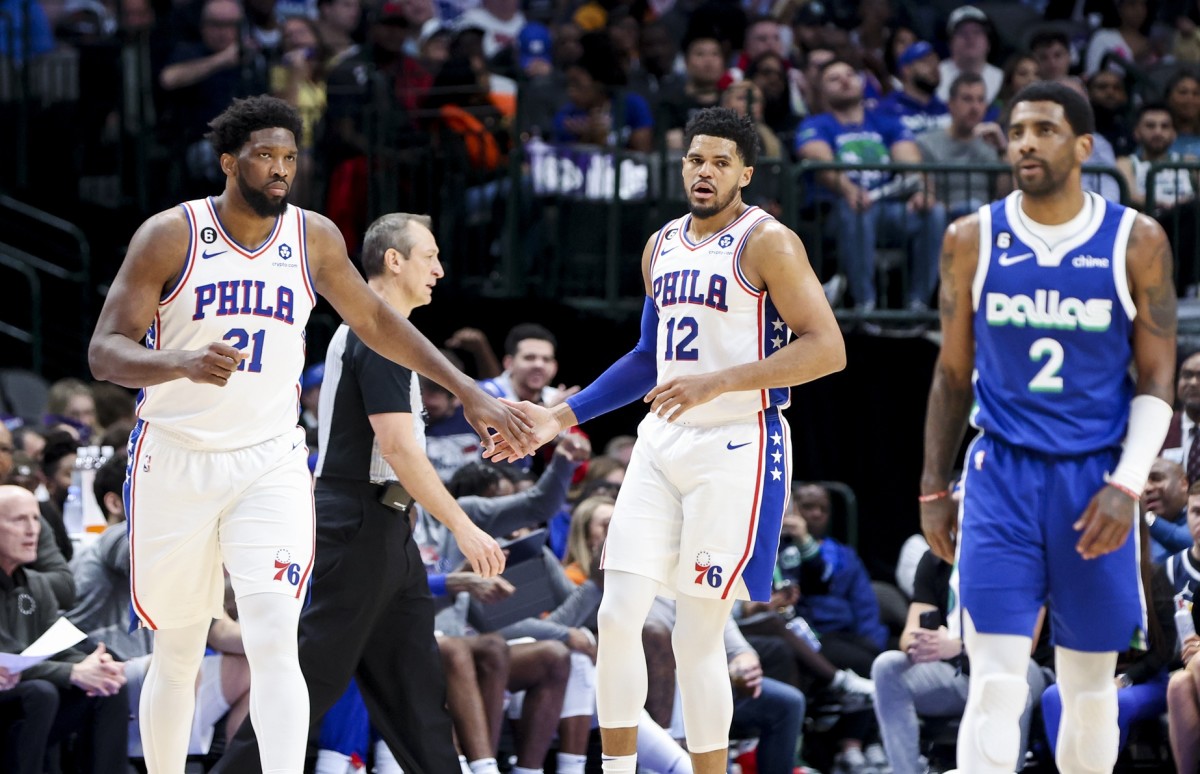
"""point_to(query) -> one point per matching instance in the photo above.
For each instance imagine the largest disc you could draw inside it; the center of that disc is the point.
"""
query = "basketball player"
(1048, 297)
(221, 289)
(698, 515)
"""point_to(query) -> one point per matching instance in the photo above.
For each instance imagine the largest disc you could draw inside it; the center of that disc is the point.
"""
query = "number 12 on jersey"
(686, 328)
(239, 338)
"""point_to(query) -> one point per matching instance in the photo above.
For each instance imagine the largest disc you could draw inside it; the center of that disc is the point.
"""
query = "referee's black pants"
(370, 617)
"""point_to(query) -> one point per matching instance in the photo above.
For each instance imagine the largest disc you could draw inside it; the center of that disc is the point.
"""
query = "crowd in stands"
(844, 672)
(861, 82)
(837, 672)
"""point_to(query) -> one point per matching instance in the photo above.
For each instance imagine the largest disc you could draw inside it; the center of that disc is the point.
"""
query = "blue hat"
(312, 376)
(918, 50)
(534, 43)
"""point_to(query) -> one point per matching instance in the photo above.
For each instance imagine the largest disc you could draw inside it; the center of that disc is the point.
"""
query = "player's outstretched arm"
(774, 260)
(951, 393)
(156, 257)
(1106, 523)
(387, 332)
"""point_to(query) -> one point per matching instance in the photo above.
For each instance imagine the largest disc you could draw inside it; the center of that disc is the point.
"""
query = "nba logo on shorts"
(706, 571)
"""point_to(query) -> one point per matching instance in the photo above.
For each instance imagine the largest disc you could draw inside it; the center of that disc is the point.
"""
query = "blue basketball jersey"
(1053, 331)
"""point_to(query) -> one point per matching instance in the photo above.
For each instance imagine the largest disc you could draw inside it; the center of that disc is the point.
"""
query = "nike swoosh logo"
(206, 255)
(669, 249)
(730, 446)
(1005, 260)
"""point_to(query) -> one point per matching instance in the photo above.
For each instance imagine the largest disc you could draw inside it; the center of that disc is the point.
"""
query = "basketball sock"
(463, 765)
(484, 766)
(168, 700)
(570, 764)
(278, 694)
(619, 764)
(523, 770)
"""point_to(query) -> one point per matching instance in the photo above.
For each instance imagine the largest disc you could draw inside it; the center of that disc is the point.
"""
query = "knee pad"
(997, 732)
(1095, 734)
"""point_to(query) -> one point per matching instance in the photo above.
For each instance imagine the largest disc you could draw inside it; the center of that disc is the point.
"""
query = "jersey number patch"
(688, 329)
(239, 338)
(1047, 379)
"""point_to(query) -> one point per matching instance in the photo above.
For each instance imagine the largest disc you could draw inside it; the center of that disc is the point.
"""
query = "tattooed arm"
(1106, 523)
(951, 392)
(1151, 272)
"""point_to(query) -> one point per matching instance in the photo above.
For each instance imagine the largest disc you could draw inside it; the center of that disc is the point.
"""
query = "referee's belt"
(390, 494)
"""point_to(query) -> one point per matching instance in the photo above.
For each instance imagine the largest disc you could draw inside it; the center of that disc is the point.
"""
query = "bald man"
(72, 692)
(50, 561)
(1164, 507)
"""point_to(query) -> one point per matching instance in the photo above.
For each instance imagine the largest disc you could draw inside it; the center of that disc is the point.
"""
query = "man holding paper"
(71, 691)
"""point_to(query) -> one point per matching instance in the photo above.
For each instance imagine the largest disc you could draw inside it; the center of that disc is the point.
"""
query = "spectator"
(299, 78)
(58, 463)
(916, 103)
(810, 83)
(1052, 50)
(1128, 41)
(543, 87)
(50, 562)
(704, 65)
(337, 21)
(927, 676)
(781, 103)
(1182, 444)
(70, 403)
(745, 98)
(812, 27)
(1183, 689)
(620, 448)
(969, 29)
(845, 614)
(1154, 133)
(265, 28)
(202, 78)
(901, 38)
(1164, 508)
(589, 116)
(16, 29)
(1183, 98)
(1020, 70)
(589, 526)
(501, 22)
(764, 35)
(870, 203)
(968, 140)
(530, 365)
(656, 63)
(74, 692)
(624, 30)
(1110, 103)
(1185, 44)
(114, 406)
(872, 34)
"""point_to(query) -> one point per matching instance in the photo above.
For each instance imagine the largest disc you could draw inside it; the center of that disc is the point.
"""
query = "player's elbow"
(101, 365)
(832, 353)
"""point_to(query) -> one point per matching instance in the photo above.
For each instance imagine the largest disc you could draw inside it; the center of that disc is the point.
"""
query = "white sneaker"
(852, 761)
(877, 757)
(848, 681)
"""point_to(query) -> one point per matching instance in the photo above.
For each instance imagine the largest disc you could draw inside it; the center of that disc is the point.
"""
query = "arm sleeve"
(626, 380)
(1173, 537)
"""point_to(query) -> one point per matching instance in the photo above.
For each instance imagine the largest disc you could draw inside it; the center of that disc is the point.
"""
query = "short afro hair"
(1076, 107)
(232, 129)
(726, 124)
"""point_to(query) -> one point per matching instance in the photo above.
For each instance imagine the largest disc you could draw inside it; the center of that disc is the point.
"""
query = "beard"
(1048, 184)
(926, 85)
(264, 206)
(703, 211)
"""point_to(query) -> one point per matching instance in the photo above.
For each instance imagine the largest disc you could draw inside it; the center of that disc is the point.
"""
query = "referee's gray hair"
(390, 230)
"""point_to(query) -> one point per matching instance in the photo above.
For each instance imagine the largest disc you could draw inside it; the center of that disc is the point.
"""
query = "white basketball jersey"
(257, 300)
(710, 317)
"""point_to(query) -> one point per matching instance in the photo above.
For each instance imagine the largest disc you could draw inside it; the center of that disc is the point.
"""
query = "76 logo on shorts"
(286, 567)
(706, 571)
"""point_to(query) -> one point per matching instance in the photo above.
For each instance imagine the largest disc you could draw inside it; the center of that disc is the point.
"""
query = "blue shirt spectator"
(867, 142)
(15, 29)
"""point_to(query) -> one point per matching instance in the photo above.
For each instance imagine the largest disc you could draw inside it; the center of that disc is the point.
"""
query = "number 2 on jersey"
(239, 338)
(684, 349)
(1047, 379)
